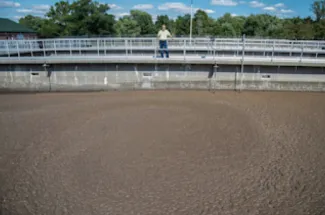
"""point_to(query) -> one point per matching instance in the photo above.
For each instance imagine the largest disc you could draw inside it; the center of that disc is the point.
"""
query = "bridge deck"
(174, 59)
(182, 50)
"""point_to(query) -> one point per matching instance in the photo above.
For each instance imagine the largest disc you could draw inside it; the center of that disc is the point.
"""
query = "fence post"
(155, 42)
(126, 47)
(31, 48)
(7, 42)
(17, 46)
(98, 47)
(302, 52)
(238, 42)
(105, 41)
(273, 50)
(54, 47)
(70, 47)
(43, 44)
(242, 62)
(184, 48)
(80, 47)
(214, 49)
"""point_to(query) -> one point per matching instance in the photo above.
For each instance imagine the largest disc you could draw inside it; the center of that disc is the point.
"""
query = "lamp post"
(191, 22)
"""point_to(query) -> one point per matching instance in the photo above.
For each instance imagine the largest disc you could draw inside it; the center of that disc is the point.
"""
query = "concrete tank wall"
(90, 77)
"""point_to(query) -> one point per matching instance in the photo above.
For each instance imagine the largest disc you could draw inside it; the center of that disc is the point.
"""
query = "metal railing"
(16, 48)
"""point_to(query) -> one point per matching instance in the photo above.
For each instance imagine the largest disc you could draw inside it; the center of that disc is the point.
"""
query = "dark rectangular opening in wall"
(310, 70)
(309, 55)
(225, 53)
(145, 67)
(266, 76)
(126, 67)
(21, 67)
(147, 74)
(268, 54)
(321, 56)
(227, 68)
(294, 54)
(143, 52)
(281, 54)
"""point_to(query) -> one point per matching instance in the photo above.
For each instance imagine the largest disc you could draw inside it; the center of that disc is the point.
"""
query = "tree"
(182, 25)
(60, 16)
(232, 26)
(32, 22)
(49, 29)
(90, 18)
(162, 20)
(262, 25)
(44, 27)
(144, 20)
(126, 26)
(318, 8)
(306, 29)
(319, 29)
(201, 23)
(227, 30)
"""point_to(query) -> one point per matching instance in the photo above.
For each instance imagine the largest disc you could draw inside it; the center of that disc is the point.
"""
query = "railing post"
(126, 47)
(214, 49)
(7, 42)
(273, 50)
(184, 48)
(31, 48)
(98, 47)
(80, 47)
(105, 47)
(70, 47)
(302, 52)
(130, 45)
(54, 48)
(17, 46)
(43, 44)
(242, 63)
(155, 42)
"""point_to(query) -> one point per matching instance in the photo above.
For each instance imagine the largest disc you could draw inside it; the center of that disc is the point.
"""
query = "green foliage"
(32, 22)
(262, 25)
(182, 25)
(164, 20)
(318, 8)
(144, 21)
(126, 26)
(82, 17)
(201, 23)
(230, 26)
(319, 29)
(88, 17)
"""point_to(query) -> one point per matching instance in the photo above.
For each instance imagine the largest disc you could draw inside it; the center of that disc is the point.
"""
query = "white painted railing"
(12, 48)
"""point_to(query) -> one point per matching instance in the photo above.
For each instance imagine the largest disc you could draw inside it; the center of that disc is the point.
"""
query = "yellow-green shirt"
(163, 34)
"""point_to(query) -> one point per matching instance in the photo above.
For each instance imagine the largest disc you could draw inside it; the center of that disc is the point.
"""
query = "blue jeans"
(163, 48)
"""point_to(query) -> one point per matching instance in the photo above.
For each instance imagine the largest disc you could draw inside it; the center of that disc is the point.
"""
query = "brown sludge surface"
(156, 153)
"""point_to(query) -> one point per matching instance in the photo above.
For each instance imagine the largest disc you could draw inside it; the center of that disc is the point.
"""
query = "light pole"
(191, 22)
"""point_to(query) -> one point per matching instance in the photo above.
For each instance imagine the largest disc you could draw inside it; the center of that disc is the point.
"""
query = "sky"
(215, 8)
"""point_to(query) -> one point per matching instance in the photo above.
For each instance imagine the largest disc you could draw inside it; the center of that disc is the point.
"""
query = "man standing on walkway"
(163, 35)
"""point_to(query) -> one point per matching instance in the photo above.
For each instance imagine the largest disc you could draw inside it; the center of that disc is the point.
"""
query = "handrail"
(12, 47)
(177, 38)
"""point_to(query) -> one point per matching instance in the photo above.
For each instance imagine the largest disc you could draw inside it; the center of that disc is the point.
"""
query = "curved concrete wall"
(70, 77)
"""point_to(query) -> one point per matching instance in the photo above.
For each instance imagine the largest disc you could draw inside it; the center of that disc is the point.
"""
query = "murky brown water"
(162, 153)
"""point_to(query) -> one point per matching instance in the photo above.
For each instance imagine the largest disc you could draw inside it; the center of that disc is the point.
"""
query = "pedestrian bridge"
(199, 63)
(144, 49)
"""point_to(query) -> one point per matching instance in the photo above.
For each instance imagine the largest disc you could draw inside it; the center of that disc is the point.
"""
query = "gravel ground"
(165, 152)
